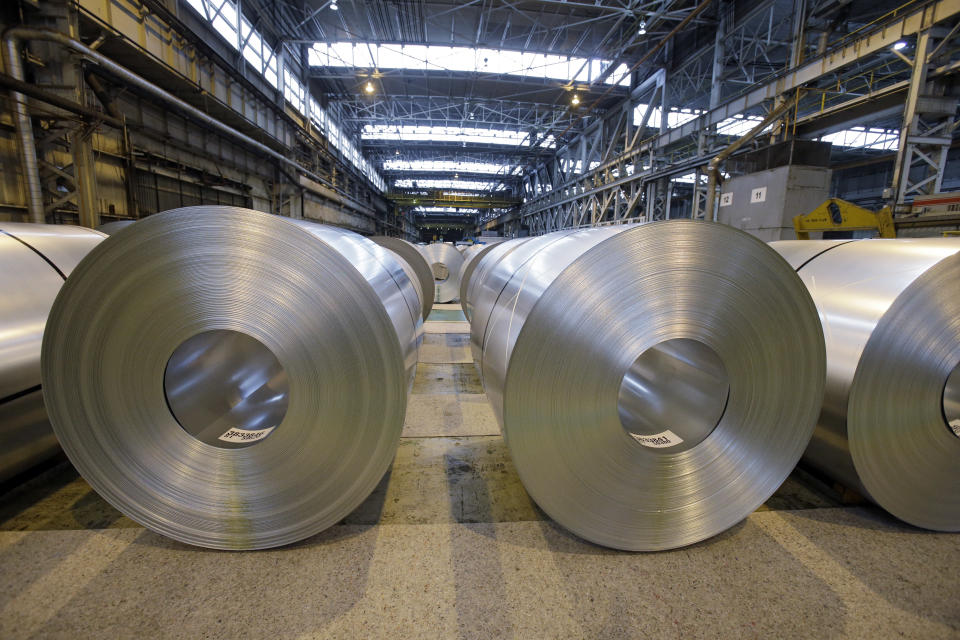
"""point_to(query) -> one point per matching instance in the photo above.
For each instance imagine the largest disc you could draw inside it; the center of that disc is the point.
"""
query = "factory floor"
(450, 545)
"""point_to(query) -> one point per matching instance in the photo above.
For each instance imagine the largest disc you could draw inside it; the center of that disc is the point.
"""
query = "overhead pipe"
(713, 168)
(11, 44)
(98, 90)
(37, 93)
(28, 147)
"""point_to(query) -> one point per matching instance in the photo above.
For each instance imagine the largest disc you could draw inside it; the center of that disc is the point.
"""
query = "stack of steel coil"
(34, 259)
(413, 257)
(229, 378)
(655, 383)
(890, 424)
(446, 262)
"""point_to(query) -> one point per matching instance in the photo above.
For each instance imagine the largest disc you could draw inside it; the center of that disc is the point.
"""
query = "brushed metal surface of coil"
(414, 281)
(445, 262)
(229, 378)
(483, 267)
(469, 251)
(890, 424)
(111, 228)
(482, 295)
(655, 383)
(34, 260)
(412, 255)
(470, 261)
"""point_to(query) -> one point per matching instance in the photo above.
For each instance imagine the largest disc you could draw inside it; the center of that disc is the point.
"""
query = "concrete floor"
(450, 545)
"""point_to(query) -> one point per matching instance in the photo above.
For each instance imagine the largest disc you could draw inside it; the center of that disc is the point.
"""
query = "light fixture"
(369, 88)
(575, 100)
(901, 44)
(397, 152)
(643, 29)
(333, 6)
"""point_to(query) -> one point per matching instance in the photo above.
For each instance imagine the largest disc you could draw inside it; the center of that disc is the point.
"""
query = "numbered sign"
(758, 195)
(726, 199)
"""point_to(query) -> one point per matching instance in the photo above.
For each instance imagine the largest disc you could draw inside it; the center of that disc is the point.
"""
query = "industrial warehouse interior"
(479, 319)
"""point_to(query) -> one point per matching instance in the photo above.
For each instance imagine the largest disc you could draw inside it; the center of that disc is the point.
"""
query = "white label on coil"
(758, 195)
(244, 435)
(726, 199)
(955, 427)
(659, 440)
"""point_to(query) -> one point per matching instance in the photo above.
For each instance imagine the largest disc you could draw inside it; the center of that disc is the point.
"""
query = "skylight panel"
(469, 59)
(445, 166)
(421, 133)
(445, 210)
(438, 183)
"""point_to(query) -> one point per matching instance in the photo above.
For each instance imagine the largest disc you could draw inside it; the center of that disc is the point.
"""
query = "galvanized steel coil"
(445, 262)
(890, 424)
(232, 379)
(34, 259)
(111, 228)
(471, 258)
(412, 255)
(414, 281)
(470, 251)
(482, 291)
(654, 383)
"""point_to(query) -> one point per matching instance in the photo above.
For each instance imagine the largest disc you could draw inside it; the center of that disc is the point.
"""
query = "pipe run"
(28, 147)
(11, 46)
(713, 168)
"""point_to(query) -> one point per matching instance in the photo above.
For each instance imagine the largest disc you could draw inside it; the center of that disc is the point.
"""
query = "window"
(865, 138)
(239, 33)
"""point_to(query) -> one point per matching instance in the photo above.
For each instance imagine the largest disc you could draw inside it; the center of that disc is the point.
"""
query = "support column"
(705, 138)
(926, 133)
(85, 177)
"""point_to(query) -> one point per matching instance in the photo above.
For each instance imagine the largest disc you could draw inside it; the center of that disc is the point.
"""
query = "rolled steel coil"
(413, 278)
(482, 295)
(481, 268)
(232, 379)
(413, 257)
(470, 261)
(111, 228)
(654, 383)
(34, 259)
(890, 424)
(445, 262)
(469, 251)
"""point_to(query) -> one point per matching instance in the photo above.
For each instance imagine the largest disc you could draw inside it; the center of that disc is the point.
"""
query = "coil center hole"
(226, 389)
(673, 395)
(951, 401)
(440, 271)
